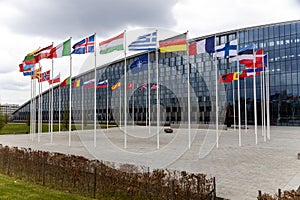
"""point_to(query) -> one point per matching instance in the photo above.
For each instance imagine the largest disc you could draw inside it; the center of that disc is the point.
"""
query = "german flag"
(176, 43)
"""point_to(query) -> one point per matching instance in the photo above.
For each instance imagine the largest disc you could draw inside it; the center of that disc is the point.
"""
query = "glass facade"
(280, 41)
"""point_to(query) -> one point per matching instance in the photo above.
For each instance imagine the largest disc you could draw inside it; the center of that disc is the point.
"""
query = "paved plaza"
(240, 171)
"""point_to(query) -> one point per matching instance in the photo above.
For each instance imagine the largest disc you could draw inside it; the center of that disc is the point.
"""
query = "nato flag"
(139, 64)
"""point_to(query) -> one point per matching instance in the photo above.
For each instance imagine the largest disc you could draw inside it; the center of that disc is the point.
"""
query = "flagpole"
(70, 99)
(254, 94)
(59, 105)
(261, 103)
(51, 141)
(95, 93)
(157, 94)
(239, 100)
(39, 112)
(120, 107)
(268, 99)
(133, 104)
(217, 96)
(125, 94)
(245, 82)
(107, 106)
(149, 109)
(82, 112)
(233, 104)
(31, 107)
(264, 102)
(188, 89)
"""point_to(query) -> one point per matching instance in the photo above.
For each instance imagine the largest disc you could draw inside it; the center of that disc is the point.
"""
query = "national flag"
(24, 67)
(116, 86)
(226, 50)
(260, 61)
(154, 87)
(89, 84)
(36, 73)
(28, 73)
(76, 83)
(44, 76)
(145, 42)
(130, 85)
(63, 49)
(56, 79)
(112, 44)
(176, 43)
(102, 84)
(43, 53)
(29, 58)
(251, 71)
(258, 58)
(139, 64)
(84, 46)
(66, 82)
(226, 78)
(245, 53)
(203, 46)
(143, 86)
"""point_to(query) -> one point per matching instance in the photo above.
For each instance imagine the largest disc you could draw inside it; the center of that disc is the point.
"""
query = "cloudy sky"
(28, 24)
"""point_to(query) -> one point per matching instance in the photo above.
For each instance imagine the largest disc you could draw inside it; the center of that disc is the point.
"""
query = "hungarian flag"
(63, 49)
(55, 80)
(177, 43)
(66, 82)
(112, 44)
(43, 53)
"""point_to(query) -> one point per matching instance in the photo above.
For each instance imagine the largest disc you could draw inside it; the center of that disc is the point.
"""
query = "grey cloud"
(57, 19)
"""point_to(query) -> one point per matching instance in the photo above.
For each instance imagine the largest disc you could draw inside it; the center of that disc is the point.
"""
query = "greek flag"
(145, 42)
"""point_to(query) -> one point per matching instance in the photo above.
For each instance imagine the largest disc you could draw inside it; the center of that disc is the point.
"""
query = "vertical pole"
(107, 106)
(51, 123)
(125, 96)
(133, 104)
(239, 101)
(245, 82)
(157, 95)
(233, 104)
(82, 110)
(70, 100)
(39, 114)
(217, 100)
(49, 111)
(268, 100)
(261, 103)
(189, 92)
(95, 93)
(31, 106)
(254, 96)
(59, 105)
(120, 106)
(149, 109)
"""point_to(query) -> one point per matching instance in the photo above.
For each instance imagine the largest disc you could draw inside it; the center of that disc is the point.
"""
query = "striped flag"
(145, 42)
(102, 84)
(177, 43)
(89, 84)
(112, 44)
(116, 86)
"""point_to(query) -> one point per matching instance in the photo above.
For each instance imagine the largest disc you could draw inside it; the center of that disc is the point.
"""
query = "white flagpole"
(82, 111)
(95, 93)
(233, 104)
(125, 96)
(133, 104)
(254, 96)
(107, 106)
(49, 111)
(149, 109)
(217, 99)
(59, 105)
(245, 82)
(39, 112)
(239, 105)
(120, 106)
(51, 141)
(157, 94)
(189, 92)
(70, 99)
(31, 108)
(268, 98)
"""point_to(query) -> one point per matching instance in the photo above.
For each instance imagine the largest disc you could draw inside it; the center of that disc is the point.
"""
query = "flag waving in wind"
(102, 84)
(43, 53)
(144, 42)
(84, 46)
(227, 49)
(112, 44)
(139, 64)
(203, 46)
(45, 76)
(63, 49)
(176, 43)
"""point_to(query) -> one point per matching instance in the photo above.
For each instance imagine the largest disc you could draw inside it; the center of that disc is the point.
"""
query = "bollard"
(298, 156)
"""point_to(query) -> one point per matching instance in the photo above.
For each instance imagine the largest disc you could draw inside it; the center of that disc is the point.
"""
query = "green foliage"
(11, 188)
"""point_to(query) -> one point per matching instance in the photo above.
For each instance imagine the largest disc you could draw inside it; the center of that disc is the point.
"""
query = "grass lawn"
(11, 188)
(11, 128)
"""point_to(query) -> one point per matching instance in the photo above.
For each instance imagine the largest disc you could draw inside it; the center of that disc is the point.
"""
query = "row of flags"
(253, 64)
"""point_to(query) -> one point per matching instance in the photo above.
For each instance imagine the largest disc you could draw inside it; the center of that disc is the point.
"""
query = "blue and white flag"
(145, 42)
(84, 46)
(139, 64)
(245, 53)
(227, 49)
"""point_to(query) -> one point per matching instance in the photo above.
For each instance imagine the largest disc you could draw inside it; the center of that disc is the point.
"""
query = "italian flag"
(63, 49)
(112, 44)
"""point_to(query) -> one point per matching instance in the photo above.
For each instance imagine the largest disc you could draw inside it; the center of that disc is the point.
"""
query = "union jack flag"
(45, 76)
(84, 46)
